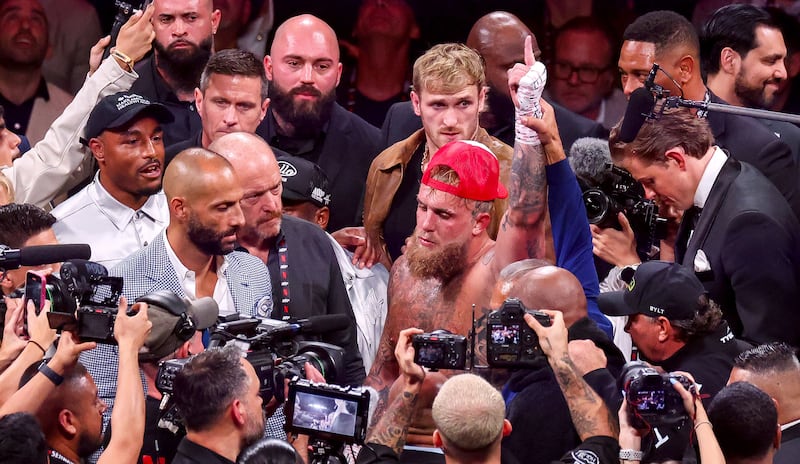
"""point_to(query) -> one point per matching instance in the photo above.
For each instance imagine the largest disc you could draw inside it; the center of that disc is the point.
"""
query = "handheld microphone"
(589, 158)
(640, 108)
(42, 254)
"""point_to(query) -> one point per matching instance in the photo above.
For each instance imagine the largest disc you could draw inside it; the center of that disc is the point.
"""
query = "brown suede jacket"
(386, 173)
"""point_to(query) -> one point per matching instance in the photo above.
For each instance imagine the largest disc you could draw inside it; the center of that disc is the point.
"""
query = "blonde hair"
(448, 68)
(6, 189)
(469, 413)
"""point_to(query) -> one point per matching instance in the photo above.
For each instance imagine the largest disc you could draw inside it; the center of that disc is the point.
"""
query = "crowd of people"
(268, 195)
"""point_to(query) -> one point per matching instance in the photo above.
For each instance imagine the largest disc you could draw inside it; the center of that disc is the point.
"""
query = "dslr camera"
(510, 343)
(619, 192)
(327, 412)
(440, 349)
(652, 399)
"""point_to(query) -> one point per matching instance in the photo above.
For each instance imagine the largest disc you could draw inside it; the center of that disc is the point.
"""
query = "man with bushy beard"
(451, 263)
(193, 257)
(183, 43)
(304, 119)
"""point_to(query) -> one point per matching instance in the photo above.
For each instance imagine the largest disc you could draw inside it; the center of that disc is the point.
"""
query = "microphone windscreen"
(48, 254)
(588, 158)
(204, 312)
(640, 106)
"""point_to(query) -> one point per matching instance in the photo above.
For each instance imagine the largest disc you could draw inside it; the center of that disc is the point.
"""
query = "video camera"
(83, 298)
(510, 342)
(619, 192)
(652, 399)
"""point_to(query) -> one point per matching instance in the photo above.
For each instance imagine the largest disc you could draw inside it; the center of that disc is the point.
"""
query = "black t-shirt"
(402, 217)
(190, 452)
(158, 442)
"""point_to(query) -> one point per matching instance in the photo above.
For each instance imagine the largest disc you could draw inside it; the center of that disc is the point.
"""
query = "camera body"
(440, 349)
(510, 343)
(327, 412)
(619, 192)
(651, 397)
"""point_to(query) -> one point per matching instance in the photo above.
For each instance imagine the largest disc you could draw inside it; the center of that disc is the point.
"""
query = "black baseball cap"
(304, 181)
(119, 109)
(658, 288)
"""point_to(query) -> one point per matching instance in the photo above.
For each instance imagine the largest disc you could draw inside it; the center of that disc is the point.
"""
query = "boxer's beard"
(442, 265)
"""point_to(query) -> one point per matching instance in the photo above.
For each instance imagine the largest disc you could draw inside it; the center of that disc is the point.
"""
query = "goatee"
(207, 239)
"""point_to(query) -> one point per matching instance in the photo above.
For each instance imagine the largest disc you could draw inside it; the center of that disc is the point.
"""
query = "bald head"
(500, 39)
(190, 172)
(305, 27)
(245, 151)
(540, 285)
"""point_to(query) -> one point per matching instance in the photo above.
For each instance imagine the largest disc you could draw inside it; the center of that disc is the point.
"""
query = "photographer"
(469, 413)
(630, 438)
(217, 394)
(64, 398)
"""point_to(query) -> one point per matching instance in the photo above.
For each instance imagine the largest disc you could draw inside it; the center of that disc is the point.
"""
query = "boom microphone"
(640, 108)
(42, 254)
(588, 158)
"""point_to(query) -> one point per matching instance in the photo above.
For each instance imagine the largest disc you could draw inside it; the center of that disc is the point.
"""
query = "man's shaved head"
(499, 26)
(305, 26)
(190, 171)
(540, 285)
(243, 147)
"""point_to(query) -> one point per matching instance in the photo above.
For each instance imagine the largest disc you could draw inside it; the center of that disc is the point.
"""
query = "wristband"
(38, 345)
(631, 455)
(54, 377)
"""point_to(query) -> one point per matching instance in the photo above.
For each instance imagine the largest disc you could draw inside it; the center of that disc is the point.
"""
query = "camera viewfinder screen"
(429, 354)
(325, 414)
(650, 400)
(505, 334)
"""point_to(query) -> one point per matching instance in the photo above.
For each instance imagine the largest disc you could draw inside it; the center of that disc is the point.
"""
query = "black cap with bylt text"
(304, 181)
(119, 109)
(658, 288)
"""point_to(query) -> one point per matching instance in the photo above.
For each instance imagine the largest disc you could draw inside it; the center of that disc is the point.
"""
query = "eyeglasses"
(586, 74)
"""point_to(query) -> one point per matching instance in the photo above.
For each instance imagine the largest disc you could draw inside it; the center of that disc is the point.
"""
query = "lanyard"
(283, 272)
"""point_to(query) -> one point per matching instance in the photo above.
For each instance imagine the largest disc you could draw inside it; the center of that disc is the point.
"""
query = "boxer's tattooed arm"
(589, 413)
(381, 376)
(527, 197)
(392, 429)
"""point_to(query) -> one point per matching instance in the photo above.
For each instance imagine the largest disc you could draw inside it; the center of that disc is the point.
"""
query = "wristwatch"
(51, 374)
(631, 455)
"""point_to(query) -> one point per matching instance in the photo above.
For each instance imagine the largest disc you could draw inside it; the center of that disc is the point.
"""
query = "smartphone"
(35, 290)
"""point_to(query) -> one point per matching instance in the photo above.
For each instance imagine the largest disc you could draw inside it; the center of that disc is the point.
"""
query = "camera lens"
(596, 203)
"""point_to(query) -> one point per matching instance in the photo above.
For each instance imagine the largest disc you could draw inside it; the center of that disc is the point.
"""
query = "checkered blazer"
(149, 270)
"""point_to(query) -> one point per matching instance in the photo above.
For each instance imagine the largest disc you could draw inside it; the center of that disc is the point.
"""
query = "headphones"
(185, 328)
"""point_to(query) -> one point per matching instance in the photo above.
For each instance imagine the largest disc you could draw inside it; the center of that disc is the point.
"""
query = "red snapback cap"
(477, 168)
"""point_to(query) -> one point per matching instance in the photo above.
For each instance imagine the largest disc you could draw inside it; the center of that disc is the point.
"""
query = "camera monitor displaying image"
(327, 411)
(650, 401)
(505, 334)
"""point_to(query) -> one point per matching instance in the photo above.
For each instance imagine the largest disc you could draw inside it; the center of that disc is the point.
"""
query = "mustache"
(181, 42)
(306, 89)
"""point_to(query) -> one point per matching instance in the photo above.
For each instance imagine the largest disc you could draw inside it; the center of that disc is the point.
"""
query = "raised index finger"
(529, 57)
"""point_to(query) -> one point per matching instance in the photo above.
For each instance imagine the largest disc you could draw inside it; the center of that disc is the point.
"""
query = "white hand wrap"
(529, 92)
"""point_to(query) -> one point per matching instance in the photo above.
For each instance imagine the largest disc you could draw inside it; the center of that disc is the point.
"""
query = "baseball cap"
(120, 108)
(170, 328)
(304, 181)
(658, 288)
(477, 168)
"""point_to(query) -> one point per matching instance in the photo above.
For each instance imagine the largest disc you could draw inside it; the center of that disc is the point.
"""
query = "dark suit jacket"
(401, 122)
(787, 132)
(752, 242)
(348, 147)
(747, 140)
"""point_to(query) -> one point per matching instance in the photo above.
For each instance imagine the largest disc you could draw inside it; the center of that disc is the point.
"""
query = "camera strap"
(283, 271)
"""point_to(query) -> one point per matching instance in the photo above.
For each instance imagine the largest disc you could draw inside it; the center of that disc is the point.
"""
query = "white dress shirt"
(112, 229)
(188, 280)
